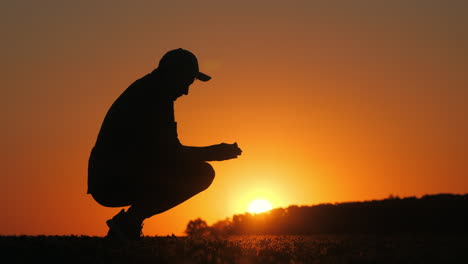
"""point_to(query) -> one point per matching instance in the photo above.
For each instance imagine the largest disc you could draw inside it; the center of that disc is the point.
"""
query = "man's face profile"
(181, 85)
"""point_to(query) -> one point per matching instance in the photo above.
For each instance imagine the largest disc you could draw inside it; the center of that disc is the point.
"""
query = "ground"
(239, 249)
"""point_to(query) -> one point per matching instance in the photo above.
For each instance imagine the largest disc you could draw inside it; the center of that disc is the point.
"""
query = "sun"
(259, 206)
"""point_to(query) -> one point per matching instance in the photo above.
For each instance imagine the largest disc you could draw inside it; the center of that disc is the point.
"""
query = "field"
(240, 249)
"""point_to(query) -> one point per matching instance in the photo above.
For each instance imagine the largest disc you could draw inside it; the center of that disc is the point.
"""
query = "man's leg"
(159, 195)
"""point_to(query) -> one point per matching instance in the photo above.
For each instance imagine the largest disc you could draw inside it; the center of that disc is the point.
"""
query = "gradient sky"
(330, 101)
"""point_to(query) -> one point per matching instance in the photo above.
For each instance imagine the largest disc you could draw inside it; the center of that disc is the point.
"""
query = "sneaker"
(123, 228)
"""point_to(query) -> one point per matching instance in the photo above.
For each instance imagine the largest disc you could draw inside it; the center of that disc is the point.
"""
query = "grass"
(239, 249)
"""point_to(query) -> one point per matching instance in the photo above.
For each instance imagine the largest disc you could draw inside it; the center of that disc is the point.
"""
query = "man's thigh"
(183, 175)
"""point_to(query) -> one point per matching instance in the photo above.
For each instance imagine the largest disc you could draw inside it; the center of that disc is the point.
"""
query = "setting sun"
(259, 206)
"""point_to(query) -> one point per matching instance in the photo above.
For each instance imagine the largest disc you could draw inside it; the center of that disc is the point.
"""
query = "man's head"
(181, 68)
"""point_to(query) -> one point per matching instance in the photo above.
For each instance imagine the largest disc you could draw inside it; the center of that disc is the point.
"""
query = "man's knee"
(208, 175)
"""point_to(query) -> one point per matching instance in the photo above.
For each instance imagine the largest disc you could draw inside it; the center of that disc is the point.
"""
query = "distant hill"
(439, 213)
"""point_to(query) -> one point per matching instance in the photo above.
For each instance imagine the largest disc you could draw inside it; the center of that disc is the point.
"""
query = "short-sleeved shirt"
(138, 131)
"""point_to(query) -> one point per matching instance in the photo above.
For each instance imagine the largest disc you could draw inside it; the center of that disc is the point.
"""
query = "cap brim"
(202, 77)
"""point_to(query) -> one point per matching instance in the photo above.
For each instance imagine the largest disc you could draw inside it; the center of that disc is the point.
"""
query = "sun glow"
(259, 206)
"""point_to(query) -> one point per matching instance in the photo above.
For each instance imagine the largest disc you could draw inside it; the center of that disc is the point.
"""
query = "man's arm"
(217, 152)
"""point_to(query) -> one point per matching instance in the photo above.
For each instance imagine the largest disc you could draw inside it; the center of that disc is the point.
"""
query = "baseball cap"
(182, 60)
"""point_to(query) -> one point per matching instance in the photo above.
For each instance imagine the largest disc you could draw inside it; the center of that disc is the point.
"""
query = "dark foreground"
(243, 249)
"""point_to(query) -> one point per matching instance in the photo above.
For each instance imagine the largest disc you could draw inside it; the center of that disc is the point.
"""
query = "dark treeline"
(440, 213)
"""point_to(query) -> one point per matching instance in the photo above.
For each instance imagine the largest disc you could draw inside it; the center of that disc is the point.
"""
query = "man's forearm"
(217, 152)
(198, 153)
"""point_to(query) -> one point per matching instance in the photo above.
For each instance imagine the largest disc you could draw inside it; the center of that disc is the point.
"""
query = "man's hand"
(223, 151)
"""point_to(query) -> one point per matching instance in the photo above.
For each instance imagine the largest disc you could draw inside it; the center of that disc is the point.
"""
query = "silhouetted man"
(138, 160)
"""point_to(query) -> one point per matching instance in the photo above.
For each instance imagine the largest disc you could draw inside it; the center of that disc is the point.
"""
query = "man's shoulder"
(146, 80)
(140, 87)
(148, 91)
(150, 83)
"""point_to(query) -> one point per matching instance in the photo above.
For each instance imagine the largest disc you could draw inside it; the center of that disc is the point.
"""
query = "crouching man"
(138, 160)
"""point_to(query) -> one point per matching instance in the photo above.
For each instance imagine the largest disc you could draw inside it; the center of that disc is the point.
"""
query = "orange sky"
(329, 102)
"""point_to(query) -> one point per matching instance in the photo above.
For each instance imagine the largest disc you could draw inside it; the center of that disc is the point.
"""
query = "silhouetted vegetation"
(198, 228)
(238, 249)
(440, 213)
